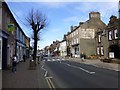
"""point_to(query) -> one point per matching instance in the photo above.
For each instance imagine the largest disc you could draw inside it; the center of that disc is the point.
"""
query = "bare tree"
(37, 21)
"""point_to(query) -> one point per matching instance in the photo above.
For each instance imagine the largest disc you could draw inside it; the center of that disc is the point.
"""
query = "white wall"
(62, 49)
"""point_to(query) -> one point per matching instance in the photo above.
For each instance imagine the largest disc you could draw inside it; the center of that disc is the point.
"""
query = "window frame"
(110, 39)
(102, 50)
(115, 34)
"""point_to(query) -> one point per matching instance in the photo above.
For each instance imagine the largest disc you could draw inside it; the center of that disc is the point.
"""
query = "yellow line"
(50, 84)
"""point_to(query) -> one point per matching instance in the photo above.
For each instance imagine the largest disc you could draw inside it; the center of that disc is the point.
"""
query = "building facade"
(8, 36)
(108, 40)
(82, 37)
(27, 47)
(62, 48)
(87, 31)
(20, 44)
(113, 38)
(13, 38)
(102, 44)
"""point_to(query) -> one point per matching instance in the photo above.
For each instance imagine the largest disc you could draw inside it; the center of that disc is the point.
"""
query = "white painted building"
(62, 48)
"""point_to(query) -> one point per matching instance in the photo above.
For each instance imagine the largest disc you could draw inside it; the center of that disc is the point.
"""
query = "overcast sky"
(61, 15)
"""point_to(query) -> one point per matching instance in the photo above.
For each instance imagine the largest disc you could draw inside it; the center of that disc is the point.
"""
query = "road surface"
(68, 74)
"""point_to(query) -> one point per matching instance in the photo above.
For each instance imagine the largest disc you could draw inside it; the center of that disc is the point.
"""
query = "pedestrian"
(82, 56)
(14, 63)
(24, 57)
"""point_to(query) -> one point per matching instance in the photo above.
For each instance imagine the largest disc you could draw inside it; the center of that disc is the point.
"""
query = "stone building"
(108, 40)
(87, 33)
(72, 41)
(102, 44)
(54, 47)
(8, 37)
(13, 38)
(82, 37)
(113, 38)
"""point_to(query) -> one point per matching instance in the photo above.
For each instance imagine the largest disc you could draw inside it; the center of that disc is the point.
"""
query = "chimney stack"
(94, 15)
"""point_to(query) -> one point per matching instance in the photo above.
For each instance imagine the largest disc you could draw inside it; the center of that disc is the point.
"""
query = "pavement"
(24, 77)
(96, 63)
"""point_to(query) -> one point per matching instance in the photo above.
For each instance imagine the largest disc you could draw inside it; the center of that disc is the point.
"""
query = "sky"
(60, 16)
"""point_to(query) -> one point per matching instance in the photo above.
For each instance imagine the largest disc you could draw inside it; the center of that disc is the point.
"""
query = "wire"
(17, 16)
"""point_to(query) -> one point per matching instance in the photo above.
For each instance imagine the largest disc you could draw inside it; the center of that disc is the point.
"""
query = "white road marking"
(80, 68)
(68, 64)
(43, 68)
(45, 73)
(43, 60)
(48, 60)
(53, 59)
(58, 59)
(49, 77)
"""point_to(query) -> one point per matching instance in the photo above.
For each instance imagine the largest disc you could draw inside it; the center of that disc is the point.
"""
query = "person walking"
(24, 57)
(82, 56)
(14, 63)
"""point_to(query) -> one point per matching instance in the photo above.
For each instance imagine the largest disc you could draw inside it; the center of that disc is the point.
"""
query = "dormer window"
(110, 35)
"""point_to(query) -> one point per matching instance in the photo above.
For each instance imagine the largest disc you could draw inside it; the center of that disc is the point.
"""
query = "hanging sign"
(10, 27)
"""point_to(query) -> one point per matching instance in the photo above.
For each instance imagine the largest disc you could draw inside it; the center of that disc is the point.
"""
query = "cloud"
(105, 8)
(75, 19)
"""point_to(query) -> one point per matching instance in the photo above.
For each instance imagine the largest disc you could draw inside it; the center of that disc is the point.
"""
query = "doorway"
(116, 50)
(4, 53)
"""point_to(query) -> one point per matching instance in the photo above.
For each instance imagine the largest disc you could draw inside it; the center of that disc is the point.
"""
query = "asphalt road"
(68, 74)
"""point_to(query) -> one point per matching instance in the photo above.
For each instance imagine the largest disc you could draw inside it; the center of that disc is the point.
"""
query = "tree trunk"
(33, 63)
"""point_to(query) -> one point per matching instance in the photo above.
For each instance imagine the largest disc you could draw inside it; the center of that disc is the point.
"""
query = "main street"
(61, 73)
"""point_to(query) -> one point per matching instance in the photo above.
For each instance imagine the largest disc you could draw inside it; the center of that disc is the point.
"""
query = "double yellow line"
(50, 83)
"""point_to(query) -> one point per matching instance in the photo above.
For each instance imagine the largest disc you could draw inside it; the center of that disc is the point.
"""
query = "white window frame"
(110, 35)
(99, 38)
(98, 50)
(102, 50)
(115, 34)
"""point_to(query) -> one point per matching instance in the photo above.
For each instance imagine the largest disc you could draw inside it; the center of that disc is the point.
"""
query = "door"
(4, 54)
